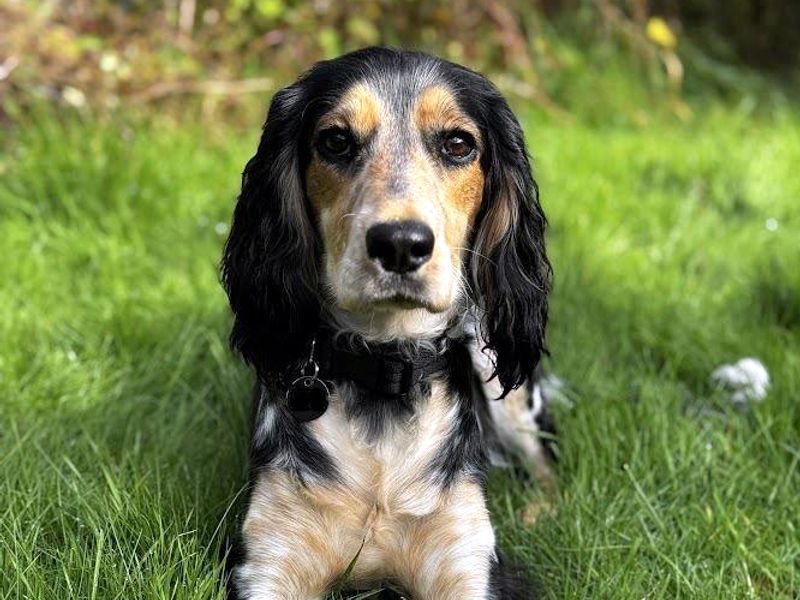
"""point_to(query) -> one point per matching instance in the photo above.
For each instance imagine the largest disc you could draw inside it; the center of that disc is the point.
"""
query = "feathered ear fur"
(509, 269)
(269, 266)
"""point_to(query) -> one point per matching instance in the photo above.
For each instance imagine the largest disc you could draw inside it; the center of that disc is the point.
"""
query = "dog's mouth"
(403, 302)
(402, 294)
(398, 292)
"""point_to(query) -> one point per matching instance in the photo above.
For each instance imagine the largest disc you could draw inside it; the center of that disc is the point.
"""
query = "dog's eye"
(335, 143)
(458, 146)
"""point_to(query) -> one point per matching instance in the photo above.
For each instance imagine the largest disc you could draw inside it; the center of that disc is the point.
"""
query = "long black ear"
(269, 266)
(509, 269)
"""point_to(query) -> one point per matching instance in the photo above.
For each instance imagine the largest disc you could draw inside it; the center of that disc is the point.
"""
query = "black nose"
(400, 246)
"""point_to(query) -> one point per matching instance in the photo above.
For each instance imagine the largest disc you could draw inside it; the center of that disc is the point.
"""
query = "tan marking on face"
(359, 110)
(327, 191)
(463, 194)
(437, 110)
(324, 185)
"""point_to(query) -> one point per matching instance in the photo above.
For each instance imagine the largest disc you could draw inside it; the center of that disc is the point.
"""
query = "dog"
(387, 272)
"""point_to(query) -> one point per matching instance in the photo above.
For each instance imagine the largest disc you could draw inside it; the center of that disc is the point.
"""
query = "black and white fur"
(314, 484)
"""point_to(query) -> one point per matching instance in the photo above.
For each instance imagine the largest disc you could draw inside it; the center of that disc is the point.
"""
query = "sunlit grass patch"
(123, 416)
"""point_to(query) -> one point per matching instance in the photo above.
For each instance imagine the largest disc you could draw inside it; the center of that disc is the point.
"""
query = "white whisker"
(344, 216)
(475, 252)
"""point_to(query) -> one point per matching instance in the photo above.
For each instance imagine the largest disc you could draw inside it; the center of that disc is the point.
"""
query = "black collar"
(389, 369)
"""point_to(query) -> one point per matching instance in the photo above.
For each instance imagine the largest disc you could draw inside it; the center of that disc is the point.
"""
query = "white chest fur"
(386, 510)
(389, 471)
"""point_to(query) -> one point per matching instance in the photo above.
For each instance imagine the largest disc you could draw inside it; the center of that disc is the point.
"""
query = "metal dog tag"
(308, 398)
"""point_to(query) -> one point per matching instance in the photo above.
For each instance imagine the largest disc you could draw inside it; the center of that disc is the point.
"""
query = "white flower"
(109, 62)
(747, 379)
(73, 96)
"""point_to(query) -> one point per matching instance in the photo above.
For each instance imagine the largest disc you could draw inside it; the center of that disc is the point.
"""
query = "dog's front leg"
(291, 551)
(449, 554)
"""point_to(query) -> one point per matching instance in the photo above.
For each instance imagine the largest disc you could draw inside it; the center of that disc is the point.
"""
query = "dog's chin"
(391, 313)
(392, 316)
(391, 293)
(385, 307)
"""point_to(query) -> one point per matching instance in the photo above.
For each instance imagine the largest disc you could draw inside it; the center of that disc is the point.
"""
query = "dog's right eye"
(335, 144)
(458, 147)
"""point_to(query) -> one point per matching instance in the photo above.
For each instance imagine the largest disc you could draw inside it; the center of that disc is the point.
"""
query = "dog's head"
(392, 191)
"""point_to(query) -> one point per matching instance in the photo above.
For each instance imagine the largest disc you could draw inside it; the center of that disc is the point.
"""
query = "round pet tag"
(308, 398)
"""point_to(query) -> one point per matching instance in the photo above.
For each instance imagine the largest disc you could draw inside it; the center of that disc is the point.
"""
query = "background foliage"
(561, 55)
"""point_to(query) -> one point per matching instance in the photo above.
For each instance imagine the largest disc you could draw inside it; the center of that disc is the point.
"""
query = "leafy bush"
(565, 56)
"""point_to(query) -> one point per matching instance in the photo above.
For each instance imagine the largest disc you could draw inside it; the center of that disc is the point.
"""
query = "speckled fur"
(395, 489)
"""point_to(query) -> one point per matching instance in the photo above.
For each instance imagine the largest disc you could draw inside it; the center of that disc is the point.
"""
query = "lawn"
(124, 417)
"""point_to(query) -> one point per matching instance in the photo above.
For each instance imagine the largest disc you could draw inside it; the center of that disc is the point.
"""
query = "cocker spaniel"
(387, 271)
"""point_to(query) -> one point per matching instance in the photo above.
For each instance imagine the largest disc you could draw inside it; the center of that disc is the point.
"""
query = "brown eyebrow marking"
(436, 109)
(325, 188)
(358, 110)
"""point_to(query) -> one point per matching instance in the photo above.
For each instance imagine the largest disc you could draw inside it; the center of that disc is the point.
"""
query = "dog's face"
(394, 182)
(391, 191)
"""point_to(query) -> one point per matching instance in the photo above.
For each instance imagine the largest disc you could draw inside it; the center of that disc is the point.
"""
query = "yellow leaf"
(659, 32)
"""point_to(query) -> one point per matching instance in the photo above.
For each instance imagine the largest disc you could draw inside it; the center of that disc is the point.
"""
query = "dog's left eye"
(458, 146)
(335, 143)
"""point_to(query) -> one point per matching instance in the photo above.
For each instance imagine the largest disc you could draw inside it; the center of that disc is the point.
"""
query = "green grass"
(123, 416)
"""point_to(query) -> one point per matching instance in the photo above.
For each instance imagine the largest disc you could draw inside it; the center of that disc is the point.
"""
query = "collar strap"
(382, 369)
